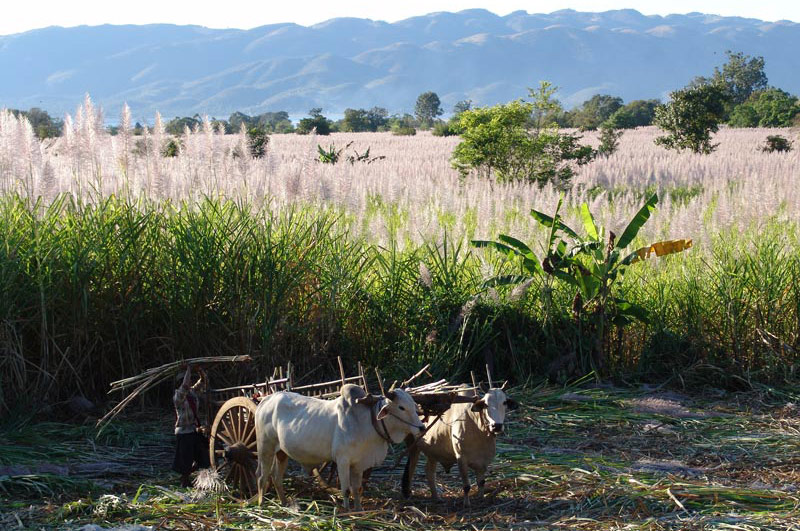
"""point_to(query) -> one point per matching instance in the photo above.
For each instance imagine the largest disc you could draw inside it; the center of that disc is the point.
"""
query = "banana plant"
(592, 264)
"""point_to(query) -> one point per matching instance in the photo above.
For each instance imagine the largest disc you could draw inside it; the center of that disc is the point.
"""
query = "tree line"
(737, 93)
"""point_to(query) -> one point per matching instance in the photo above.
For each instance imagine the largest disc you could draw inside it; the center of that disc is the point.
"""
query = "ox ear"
(383, 412)
(511, 404)
(479, 405)
(369, 400)
(391, 395)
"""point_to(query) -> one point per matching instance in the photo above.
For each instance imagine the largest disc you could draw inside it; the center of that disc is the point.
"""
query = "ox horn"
(391, 395)
(503, 387)
(369, 400)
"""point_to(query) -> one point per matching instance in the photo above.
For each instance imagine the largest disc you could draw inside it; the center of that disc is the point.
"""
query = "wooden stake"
(474, 383)
(489, 375)
(289, 376)
(341, 368)
(363, 377)
(380, 381)
(422, 370)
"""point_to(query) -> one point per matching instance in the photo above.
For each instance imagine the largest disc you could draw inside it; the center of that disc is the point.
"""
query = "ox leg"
(282, 460)
(480, 476)
(463, 469)
(343, 468)
(408, 473)
(355, 486)
(266, 460)
(430, 475)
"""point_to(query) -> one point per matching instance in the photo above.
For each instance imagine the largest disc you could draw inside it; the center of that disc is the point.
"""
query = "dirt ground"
(592, 458)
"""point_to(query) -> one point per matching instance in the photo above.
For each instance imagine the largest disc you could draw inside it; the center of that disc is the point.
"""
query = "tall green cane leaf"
(497, 246)
(547, 221)
(504, 280)
(588, 222)
(636, 223)
(514, 247)
(517, 244)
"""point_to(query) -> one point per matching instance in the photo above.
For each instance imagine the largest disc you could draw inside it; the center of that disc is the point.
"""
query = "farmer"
(191, 446)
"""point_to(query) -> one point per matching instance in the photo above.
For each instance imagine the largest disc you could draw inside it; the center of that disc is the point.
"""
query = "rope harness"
(373, 416)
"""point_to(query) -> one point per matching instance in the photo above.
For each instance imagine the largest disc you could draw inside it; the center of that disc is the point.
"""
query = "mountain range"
(351, 62)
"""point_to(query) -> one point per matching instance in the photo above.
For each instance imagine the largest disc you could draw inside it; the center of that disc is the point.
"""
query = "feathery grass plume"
(30, 156)
(425, 275)
(124, 136)
(520, 290)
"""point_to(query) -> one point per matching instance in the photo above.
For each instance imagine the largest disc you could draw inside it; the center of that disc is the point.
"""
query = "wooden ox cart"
(232, 436)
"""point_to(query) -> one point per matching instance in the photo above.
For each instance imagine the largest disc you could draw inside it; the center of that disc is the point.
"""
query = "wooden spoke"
(227, 429)
(237, 417)
(242, 481)
(225, 439)
(248, 429)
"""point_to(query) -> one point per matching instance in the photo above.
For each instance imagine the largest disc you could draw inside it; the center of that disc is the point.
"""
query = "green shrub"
(777, 143)
(257, 141)
(445, 129)
(403, 130)
(171, 148)
(609, 140)
(497, 141)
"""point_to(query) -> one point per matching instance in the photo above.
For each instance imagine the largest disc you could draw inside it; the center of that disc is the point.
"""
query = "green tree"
(177, 125)
(427, 108)
(377, 118)
(740, 77)
(691, 115)
(355, 120)
(44, 126)
(360, 120)
(315, 121)
(594, 111)
(772, 107)
(461, 106)
(547, 110)
(638, 113)
(514, 142)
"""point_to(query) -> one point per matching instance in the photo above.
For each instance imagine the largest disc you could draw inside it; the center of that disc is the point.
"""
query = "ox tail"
(408, 472)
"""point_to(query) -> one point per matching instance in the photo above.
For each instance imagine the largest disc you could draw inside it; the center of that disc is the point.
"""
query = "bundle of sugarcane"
(436, 397)
(152, 377)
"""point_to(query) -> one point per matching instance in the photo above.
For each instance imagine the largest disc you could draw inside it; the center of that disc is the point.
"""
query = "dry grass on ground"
(599, 458)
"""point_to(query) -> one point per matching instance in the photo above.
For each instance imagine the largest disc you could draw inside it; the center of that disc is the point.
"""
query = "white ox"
(353, 431)
(465, 436)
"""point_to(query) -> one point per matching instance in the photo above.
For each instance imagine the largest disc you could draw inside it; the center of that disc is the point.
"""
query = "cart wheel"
(232, 446)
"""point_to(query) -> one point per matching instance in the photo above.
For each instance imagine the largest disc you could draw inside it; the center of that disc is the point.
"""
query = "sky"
(19, 16)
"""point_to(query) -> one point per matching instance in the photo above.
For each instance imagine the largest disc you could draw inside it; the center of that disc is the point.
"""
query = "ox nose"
(497, 428)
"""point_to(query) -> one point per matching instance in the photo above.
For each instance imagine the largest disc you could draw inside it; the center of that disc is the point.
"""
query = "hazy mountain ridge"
(350, 62)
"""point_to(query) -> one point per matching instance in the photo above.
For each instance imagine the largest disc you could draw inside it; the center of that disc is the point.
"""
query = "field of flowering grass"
(116, 258)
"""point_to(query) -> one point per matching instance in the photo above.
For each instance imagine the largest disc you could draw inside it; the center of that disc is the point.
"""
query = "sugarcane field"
(213, 329)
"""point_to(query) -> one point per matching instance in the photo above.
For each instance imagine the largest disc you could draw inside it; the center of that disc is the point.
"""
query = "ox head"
(399, 411)
(495, 404)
